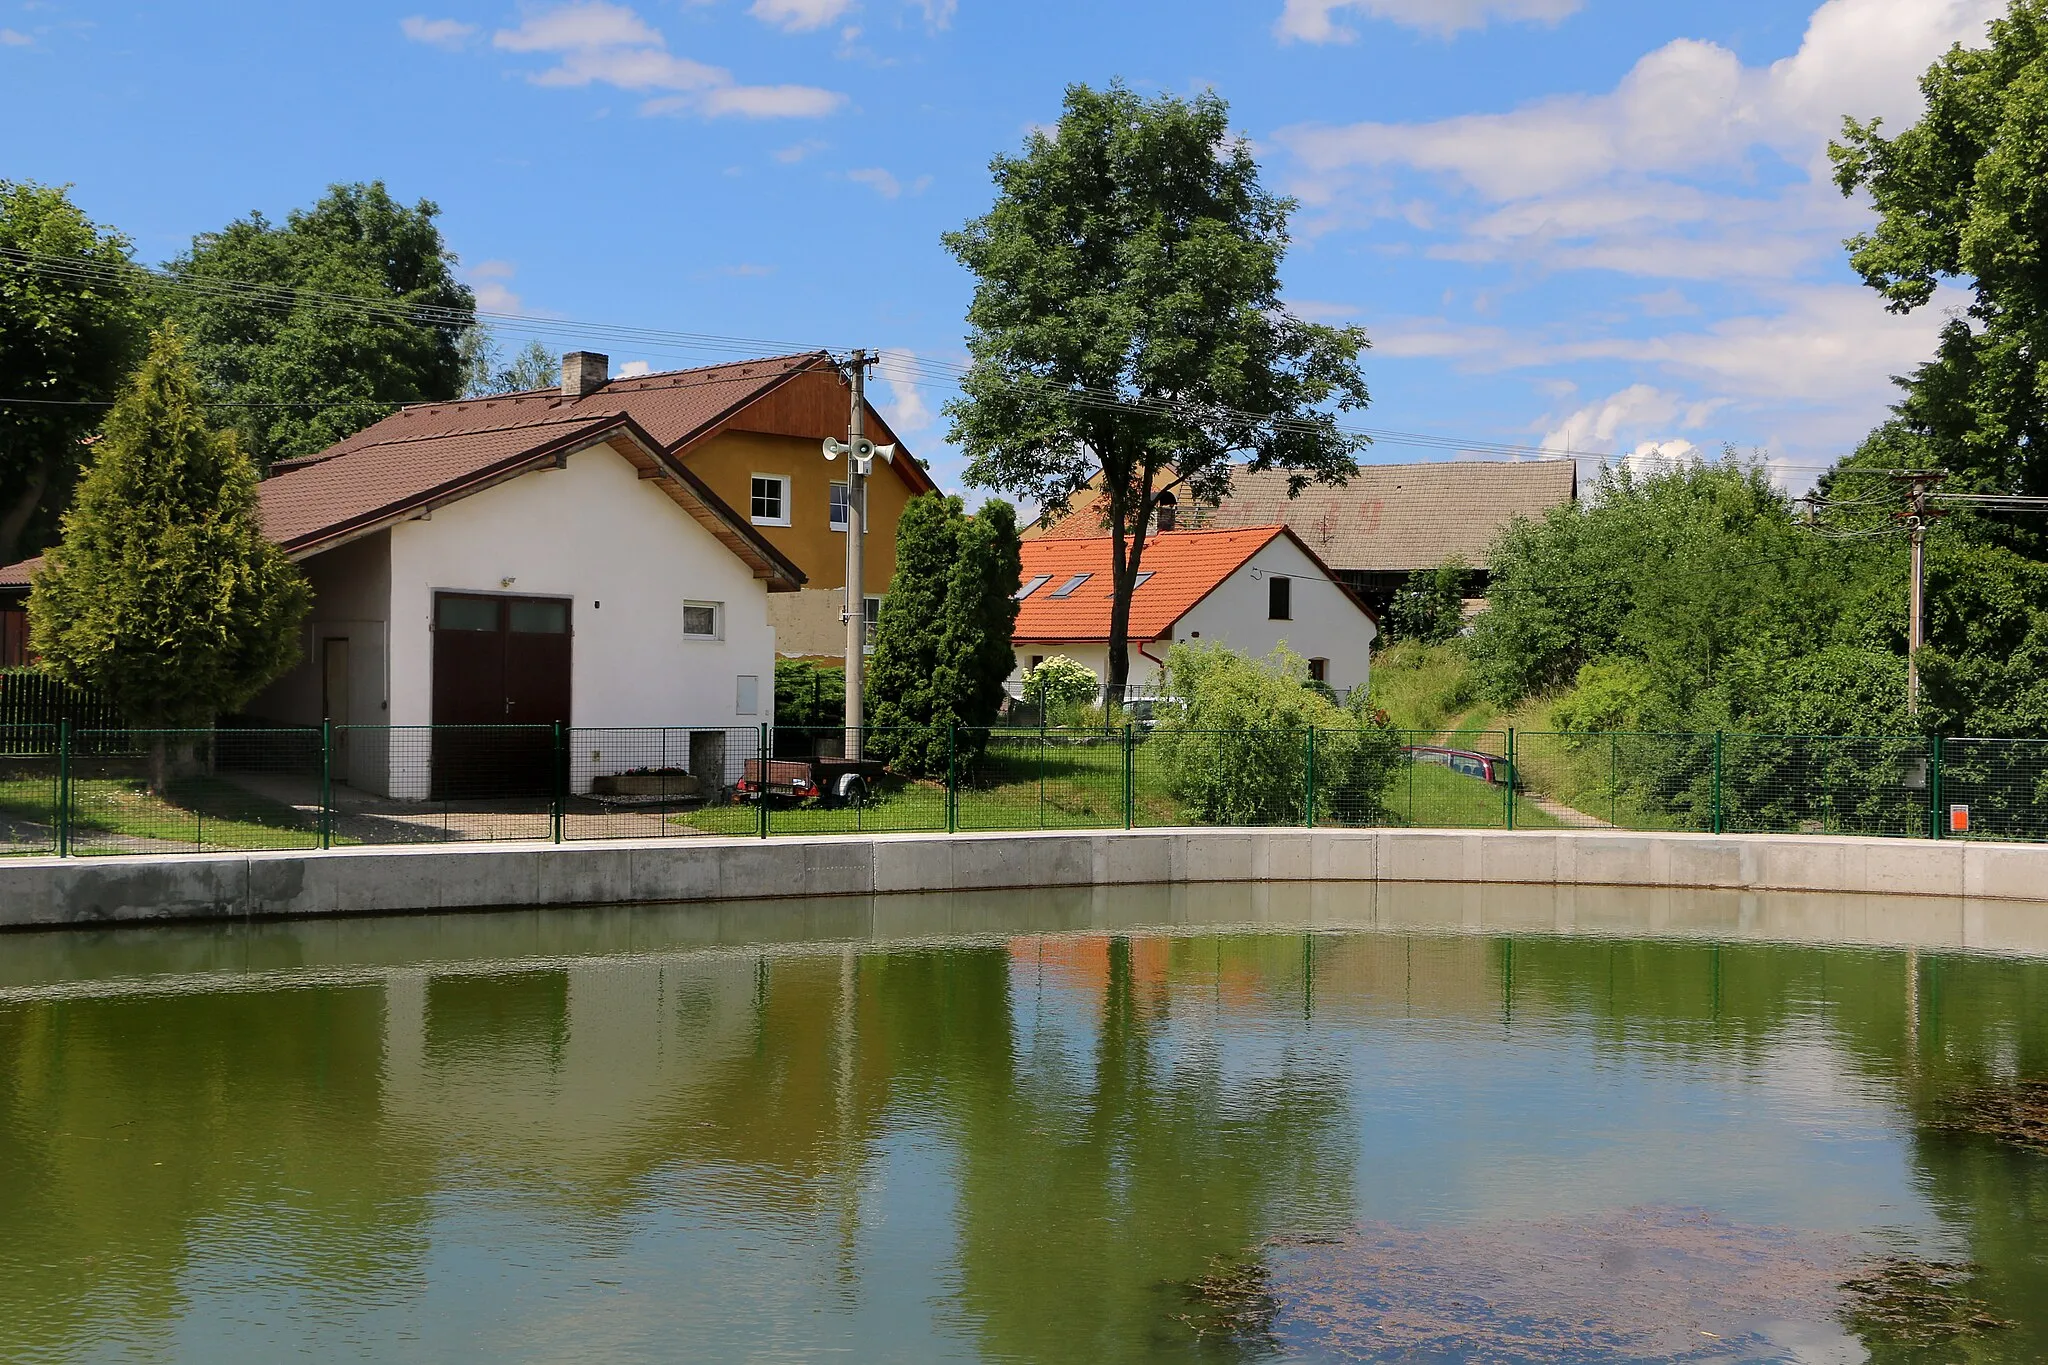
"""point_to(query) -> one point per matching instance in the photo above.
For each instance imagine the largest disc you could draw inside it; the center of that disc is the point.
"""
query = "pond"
(1227, 1123)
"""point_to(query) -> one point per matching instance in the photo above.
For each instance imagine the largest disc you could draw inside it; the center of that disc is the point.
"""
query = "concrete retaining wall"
(359, 881)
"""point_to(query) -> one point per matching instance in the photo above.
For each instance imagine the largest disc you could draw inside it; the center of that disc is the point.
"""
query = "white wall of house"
(1325, 624)
(629, 559)
(624, 554)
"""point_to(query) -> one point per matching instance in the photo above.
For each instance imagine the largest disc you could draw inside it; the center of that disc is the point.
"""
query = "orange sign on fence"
(1958, 819)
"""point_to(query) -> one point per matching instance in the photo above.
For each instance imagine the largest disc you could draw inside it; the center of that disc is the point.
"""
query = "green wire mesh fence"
(105, 791)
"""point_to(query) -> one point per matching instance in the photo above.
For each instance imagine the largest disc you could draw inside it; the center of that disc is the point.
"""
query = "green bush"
(809, 695)
(1430, 606)
(1061, 688)
(1234, 741)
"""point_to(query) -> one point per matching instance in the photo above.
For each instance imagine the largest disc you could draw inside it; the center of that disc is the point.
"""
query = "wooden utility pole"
(1919, 488)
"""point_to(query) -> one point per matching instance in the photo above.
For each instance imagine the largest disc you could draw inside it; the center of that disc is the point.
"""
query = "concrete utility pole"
(860, 455)
(1918, 514)
(856, 562)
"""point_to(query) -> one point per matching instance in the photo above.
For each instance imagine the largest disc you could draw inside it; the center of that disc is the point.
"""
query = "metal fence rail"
(85, 791)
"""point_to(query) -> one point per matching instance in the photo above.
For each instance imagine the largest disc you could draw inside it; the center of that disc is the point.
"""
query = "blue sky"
(1596, 225)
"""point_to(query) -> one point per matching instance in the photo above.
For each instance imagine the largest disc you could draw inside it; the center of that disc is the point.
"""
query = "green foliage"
(1234, 742)
(809, 695)
(942, 646)
(1611, 694)
(1431, 606)
(1133, 250)
(323, 366)
(1695, 577)
(1962, 197)
(489, 372)
(164, 593)
(1059, 684)
(67, 340)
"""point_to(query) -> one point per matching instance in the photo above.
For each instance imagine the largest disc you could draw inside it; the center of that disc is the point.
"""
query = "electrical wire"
(900, 366)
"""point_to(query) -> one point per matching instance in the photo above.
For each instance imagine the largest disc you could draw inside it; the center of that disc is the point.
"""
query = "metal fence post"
(1310, 794)
(952, 778)
(1130, 796)
(64, 788)
(559, 788)
(1717, 782)
(327, 783)
(1934, 821)
(761, 816)
(1511, 777)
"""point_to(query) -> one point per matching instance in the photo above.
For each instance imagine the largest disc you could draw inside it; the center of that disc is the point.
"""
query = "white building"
(566, 572)
(1252, 589)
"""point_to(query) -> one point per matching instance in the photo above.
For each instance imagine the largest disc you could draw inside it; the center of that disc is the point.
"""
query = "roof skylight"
(1032, 585)
(1068, 588)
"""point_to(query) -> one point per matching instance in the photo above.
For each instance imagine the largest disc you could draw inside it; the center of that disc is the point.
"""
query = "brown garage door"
(498, 661)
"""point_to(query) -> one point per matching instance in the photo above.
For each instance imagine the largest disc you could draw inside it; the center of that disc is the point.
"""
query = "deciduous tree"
(1127, 331)
(70, 330)
(1962, 198)
(355, 310)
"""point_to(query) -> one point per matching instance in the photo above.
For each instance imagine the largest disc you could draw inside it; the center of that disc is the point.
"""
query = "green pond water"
(1234, 1124)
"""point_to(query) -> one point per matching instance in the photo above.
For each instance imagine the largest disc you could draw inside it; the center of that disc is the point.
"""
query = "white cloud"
(801, 151)
(799, 16)
(1314, 21)
(14, 37)
(598, 43)
(633, 369)
(449, 33)
(878, 180)
(938, 14)
(491, 281)
(1592, 429)
(907, 410)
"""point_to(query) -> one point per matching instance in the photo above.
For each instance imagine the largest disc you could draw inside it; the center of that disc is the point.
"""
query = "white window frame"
(838, 509)
(871, 618)
(781, 480)
(717, 621)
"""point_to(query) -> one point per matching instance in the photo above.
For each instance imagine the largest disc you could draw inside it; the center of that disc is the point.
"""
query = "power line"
(900, 366)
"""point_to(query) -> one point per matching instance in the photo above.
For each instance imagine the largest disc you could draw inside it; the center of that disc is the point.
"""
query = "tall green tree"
(164, 593)
(67, 340)
(1127, 331)
(319, 348)
(489, 372)
(942, 646)
(1962, 198)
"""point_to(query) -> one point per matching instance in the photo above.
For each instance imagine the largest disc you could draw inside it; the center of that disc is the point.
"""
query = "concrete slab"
(672, 870)
(1133, 859)
(914, 863)
(839, 867)
(2006, 871)
(104, 890)
(1344, 855)
(1283, 855)
(588, 875)
(1519, 859)
(1430, 855)
(760, 869)
(1215, 855)
(1916, 867)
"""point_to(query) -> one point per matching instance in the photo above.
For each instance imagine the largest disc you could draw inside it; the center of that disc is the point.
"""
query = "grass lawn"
(1080, 786)
(200, 811)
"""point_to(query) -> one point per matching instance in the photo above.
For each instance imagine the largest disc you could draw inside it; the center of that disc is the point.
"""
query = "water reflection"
(993, 1127)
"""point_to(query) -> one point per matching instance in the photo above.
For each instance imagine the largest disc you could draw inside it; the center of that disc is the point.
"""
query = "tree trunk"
(1126, 553)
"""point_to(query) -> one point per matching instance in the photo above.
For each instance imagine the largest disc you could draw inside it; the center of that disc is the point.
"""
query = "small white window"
(703, 620)
(839, 507)
(1072, 585)
(771, 500)
(1032, 585)
(747, 696)
(874, 620)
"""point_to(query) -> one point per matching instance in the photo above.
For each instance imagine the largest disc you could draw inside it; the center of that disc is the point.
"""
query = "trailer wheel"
(850, 790)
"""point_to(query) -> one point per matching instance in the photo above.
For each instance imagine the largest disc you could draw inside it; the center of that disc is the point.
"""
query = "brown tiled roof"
(432, 452)
(1180, 568)
(1388, 517)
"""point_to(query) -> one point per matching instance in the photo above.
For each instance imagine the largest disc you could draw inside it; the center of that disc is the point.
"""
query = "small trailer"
(828, 781)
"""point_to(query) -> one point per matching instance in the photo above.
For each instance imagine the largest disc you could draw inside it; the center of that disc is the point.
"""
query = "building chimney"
(584, 372)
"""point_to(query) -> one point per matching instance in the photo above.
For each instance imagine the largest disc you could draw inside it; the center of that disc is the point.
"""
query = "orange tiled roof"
(1185, 567)
(1387, 517)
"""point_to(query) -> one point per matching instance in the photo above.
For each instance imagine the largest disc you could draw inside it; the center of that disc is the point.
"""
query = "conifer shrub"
(164, 595)
(942, 645)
